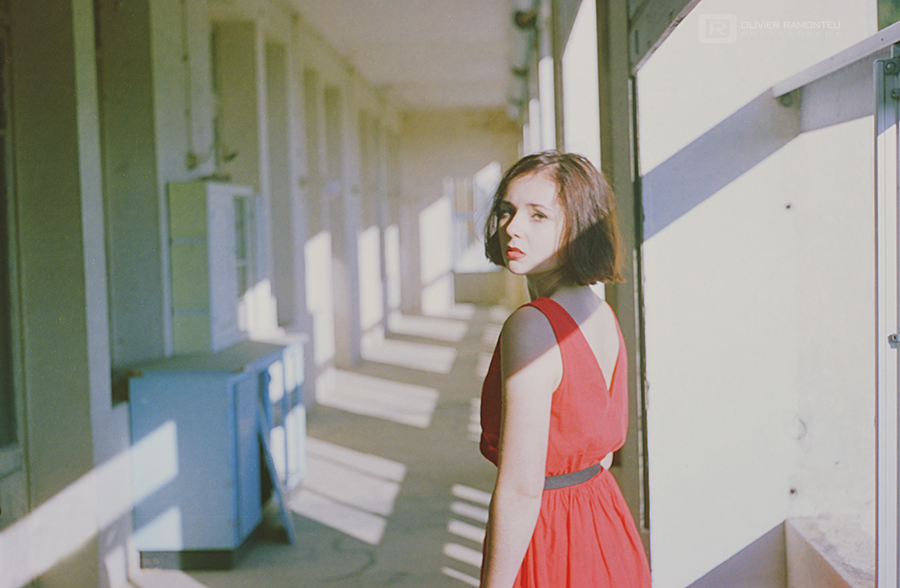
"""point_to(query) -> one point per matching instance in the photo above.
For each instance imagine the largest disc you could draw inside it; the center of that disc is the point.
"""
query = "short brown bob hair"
(591, 246)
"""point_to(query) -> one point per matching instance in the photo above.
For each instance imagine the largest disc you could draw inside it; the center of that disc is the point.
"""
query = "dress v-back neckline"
(574, 326)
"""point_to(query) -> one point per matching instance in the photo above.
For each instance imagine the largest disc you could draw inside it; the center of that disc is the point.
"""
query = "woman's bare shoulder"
(527, 320)
(527, 335)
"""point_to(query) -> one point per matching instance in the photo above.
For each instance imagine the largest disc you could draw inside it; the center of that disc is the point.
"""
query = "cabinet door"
(249, 497)
(182, 428)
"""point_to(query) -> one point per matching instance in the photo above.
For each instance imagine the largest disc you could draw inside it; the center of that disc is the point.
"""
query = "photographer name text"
(805, 25)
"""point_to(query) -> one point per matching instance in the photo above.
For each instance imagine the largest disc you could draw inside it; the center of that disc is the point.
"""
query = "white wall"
(831, 192)
(753, 332)
(74, 438)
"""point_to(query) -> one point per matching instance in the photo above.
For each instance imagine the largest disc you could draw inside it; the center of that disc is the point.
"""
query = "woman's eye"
(539, 216)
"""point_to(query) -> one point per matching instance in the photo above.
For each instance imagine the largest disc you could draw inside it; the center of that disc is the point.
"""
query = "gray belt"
(572, 478)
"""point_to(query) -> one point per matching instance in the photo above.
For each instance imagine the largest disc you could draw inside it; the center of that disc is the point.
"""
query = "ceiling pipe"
(526, 20)
(524, 31)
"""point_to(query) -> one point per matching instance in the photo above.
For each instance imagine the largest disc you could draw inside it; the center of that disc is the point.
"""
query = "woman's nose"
(512, 225)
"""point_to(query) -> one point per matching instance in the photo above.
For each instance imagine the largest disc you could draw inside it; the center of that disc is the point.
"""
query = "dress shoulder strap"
(562, 322)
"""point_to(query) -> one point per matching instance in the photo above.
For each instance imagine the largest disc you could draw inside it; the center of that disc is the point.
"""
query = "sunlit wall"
(758, 284)
(581, 100)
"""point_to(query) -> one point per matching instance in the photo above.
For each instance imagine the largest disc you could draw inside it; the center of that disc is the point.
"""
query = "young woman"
(555, 398)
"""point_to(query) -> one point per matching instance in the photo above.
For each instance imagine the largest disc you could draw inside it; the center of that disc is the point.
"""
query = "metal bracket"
(894, 341)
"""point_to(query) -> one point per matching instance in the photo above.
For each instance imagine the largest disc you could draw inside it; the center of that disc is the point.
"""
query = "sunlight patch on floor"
(465, 578)
(467, 510)
(499, 314)
(406, 404)
(463, 312)
(431, 327)
(436, 359)
(349, 486)
(475, 420)
(491, 334)
(471, 494)
(466, 530)
(347, 519)
(464, 549)
(366, 463)
(347, 490)
(463, 554)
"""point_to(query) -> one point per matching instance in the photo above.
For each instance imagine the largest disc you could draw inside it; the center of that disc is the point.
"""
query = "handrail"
(880, 40)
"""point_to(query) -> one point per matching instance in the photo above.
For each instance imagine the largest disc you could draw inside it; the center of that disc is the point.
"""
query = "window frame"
(11, 452)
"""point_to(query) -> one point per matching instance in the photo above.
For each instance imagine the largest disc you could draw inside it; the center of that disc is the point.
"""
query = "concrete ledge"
(829, 553)
(486, 288)
(496, 287)
(759, 565)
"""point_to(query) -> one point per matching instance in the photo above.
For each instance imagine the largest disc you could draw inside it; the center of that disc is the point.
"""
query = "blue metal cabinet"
(196, 455)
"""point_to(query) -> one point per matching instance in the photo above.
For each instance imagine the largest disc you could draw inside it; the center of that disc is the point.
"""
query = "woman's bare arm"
(531, 370)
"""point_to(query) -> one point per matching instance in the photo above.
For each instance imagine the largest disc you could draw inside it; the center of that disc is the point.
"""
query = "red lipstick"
(513, 253)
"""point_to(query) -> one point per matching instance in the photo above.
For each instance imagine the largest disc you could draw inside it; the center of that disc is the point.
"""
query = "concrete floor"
(396, 490)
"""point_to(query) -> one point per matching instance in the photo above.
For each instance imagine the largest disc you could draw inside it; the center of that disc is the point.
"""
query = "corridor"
(396, 491)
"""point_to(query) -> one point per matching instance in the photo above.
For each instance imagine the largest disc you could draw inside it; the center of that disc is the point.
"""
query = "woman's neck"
(545, 285)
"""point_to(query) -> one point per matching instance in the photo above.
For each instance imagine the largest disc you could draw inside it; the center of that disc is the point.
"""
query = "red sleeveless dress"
(585, 536)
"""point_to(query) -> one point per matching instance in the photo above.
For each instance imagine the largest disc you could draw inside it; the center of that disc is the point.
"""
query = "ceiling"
(425, 54)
